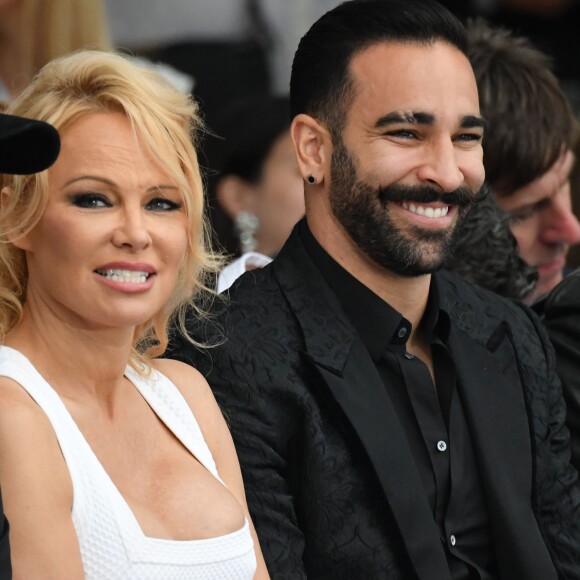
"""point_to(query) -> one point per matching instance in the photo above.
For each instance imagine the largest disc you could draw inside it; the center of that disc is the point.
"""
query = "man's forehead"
(544, 186)
(412, 78)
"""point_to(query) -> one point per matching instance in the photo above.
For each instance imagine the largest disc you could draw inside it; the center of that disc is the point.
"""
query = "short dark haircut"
(321, 84)
(529, 119)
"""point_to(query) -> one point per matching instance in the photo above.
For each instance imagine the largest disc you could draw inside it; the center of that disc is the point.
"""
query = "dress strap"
(171, 407)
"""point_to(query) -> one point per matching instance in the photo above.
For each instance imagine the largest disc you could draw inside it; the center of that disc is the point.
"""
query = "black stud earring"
(311, 179)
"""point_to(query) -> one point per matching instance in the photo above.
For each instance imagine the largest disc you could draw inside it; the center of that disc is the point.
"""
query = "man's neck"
(407, 295)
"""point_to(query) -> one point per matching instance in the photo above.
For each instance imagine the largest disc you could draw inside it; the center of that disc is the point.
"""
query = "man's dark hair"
(321, 84)
(529, 118)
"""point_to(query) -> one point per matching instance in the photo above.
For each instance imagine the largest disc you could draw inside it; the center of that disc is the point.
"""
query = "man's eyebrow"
(420, 118)
(395, 118)
(473, 122)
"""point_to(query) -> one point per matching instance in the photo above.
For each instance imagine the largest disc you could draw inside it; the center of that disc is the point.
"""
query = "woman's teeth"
(127, 276)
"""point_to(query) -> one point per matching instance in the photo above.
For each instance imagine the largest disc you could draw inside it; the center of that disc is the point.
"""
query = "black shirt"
(431, 416)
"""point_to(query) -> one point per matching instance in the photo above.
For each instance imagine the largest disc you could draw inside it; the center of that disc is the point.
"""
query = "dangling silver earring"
(311, 179)
(246, 225)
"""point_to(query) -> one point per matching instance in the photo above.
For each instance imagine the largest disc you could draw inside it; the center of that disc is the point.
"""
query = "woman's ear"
(13, 234)
(313, 147)
(235, 195)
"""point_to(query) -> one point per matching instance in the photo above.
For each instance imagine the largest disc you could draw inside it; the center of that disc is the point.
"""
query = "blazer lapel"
(349, 378)
(492, 394)
(364, 402)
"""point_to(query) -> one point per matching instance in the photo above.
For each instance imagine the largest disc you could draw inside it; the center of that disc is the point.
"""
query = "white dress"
(112, 544)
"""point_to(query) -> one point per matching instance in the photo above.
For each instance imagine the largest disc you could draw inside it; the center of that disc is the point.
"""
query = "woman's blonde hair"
(168, 123)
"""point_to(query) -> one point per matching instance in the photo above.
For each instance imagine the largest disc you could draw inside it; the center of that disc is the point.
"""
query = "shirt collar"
(379, 325)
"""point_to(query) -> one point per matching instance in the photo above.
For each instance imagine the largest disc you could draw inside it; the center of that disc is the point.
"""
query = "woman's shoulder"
(198, 395)
(189, 381)
(28, 444)
(183, 375)
(17, 406)
(23, 423)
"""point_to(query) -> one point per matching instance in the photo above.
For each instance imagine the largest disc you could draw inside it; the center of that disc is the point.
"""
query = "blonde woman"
(112, 464)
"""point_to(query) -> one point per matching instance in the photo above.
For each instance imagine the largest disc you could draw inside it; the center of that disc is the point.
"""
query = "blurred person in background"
(551, 25)
(528, 154)
(561, 315)
(560, 312)
(573, 259)
(33, 32)
(487, 253)
(256, 189)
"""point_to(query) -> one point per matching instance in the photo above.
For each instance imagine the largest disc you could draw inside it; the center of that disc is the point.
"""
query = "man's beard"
(363, 211)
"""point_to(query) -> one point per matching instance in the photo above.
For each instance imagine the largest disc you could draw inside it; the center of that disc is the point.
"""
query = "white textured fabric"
(113, 546)
(235, 269)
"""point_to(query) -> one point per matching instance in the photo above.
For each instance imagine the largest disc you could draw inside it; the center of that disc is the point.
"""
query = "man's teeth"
(426, 211)
(127, 276)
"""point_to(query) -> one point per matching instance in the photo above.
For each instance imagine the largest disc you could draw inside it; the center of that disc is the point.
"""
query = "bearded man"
(391, 421)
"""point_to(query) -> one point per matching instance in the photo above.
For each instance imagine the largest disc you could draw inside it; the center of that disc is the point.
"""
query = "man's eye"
(470, 137)
(162, 204)
(522, 215)
(90, 200)
(402, 134)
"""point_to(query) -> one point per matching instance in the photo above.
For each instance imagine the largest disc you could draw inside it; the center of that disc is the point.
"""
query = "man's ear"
(313, 147)
(235, 195)
(13, 234)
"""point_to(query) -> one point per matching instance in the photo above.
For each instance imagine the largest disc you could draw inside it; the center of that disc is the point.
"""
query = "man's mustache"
(462, 196)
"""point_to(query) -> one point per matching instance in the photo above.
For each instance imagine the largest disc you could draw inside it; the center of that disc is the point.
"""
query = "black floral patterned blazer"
(329, 477)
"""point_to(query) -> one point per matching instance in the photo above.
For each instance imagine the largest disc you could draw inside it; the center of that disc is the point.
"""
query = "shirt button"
(452, 540)
(441, 446)
(402, 332)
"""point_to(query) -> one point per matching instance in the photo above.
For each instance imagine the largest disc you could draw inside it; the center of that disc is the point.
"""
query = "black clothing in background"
(561, 315)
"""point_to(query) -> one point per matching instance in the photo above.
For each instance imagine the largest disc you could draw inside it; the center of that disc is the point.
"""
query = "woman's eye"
(90, 200)
(162, 204)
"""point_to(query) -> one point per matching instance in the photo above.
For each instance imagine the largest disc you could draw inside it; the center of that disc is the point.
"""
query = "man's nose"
(560, 225)
(440, 167)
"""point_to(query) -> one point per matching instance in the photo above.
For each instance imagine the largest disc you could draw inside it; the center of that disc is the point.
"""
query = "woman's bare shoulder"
(190, 382)
(198, 395)
(25, 429)
(36, 488)
(183, 375)
(18, 409)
